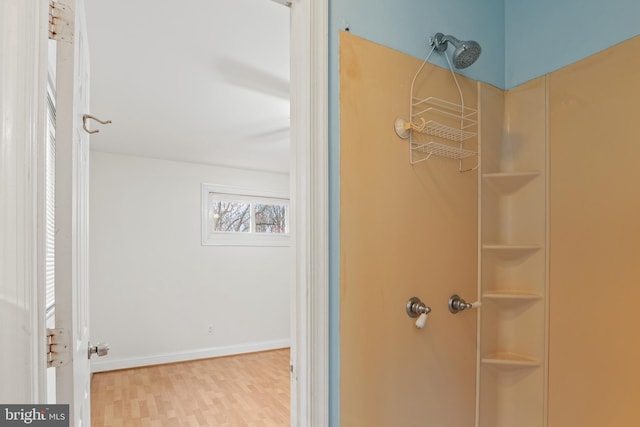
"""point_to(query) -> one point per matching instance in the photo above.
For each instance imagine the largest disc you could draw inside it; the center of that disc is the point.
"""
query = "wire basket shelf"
(442, 150)
(420, 106)
(440, 130)
(456, 123)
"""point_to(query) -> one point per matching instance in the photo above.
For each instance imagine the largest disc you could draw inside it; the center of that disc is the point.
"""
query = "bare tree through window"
(231, 217)
(270, 218)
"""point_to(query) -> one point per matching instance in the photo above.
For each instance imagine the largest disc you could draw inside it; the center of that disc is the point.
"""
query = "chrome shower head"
(466, 53)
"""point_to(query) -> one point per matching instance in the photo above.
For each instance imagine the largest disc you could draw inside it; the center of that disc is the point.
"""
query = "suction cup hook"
(401, 127)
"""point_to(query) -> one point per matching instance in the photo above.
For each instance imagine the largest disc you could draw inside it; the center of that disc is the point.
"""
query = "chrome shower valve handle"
(416, 308)
(457, 304)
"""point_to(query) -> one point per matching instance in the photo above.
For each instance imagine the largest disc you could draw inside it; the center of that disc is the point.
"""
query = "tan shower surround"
(412, 231)
(405, 231)
(594, 134)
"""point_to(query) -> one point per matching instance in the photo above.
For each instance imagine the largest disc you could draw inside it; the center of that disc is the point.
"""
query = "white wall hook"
(89, 116)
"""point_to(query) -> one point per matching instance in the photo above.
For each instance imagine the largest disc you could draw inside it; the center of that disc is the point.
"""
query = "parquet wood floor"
(250, 390)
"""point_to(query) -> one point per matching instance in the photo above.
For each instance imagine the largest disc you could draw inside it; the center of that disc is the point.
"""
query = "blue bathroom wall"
(545, 35)
(406, 25)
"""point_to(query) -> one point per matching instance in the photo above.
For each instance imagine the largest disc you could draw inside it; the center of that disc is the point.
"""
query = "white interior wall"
(155, 288)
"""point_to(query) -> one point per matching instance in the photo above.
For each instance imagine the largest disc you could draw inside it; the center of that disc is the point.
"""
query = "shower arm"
(441, 42)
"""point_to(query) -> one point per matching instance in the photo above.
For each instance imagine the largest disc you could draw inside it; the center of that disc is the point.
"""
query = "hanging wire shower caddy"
(435, 124)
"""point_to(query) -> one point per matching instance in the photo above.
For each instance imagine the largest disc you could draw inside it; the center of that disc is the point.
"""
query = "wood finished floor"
(250, 390)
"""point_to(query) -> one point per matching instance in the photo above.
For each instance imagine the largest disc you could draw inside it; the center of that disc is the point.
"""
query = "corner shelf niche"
(513, 255)
(509, 182)
(511, 252)
(510, 361)
(511, 296)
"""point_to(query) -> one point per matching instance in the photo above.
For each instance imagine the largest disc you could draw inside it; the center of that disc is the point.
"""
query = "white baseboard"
(100, 365)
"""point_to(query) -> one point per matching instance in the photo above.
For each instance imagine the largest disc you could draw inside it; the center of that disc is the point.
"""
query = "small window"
(232, 216)
(271, 218)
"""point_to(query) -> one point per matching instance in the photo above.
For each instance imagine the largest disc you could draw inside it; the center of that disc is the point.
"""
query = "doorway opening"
(207, 104)
(309, 186)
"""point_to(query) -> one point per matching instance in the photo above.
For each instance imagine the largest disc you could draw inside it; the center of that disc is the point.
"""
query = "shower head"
(466, 53)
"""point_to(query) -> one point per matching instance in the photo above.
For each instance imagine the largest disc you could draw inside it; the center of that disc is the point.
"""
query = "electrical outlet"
(210, 329)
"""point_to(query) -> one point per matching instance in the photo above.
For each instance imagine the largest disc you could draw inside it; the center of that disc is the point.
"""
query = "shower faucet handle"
(416, 308)
(457, 304)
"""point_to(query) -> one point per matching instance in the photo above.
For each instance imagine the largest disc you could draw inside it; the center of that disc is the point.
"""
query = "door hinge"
(60, 22)
(58, 347)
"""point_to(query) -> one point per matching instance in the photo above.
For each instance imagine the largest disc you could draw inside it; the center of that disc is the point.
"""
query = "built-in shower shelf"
(443, 150)
(509, 251)
(509, 182)
(513, 266)
(511, 295)
(510, 361)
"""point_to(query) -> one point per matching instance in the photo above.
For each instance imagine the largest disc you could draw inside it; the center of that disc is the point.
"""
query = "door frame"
(22, 129)
(310, 209)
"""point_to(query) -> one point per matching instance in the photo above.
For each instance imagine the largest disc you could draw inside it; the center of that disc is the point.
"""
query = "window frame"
(251, 238)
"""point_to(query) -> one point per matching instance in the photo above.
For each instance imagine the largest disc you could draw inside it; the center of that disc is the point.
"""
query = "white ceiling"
(203, 81)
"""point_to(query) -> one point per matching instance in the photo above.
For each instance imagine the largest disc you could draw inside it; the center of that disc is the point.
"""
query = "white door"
(72, 185)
